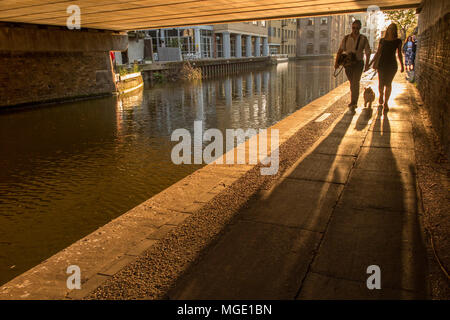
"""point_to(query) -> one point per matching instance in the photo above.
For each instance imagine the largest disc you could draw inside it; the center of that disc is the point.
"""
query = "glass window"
(309, 48)
(310, 22)
(263, 23)
(324, 21)
(219, 46)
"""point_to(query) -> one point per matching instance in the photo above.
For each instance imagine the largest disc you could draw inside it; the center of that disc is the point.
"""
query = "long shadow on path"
(349, 204)
(375, 223)
(266, 252)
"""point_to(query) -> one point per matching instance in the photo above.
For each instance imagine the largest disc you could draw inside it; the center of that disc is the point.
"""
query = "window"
(324, 21)
(310, 22)
(310, 34)
(278, 32)
(309, 48)
(233, 46)
(255, 22)
(323, 34)
(323, 48)
(219, 46)
(263, 23)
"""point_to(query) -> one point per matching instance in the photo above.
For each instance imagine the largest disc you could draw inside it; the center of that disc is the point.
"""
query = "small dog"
(369, 97)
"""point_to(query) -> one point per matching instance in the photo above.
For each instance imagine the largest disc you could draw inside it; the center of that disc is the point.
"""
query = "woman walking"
(408, 51)
(387, 64)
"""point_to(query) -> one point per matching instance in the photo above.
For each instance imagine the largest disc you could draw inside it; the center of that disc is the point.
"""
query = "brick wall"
(433, 64)
(29, 77)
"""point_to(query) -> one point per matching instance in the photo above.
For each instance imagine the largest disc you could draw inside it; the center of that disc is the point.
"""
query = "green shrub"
(159, 77)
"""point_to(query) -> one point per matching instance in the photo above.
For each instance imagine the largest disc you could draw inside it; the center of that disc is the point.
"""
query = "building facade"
(282, 36)
(315, 36)
(241, 39)
(322, 36)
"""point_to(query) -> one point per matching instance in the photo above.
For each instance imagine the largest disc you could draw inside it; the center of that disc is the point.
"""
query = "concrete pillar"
(157, 38)
(163, 38)
(226, 45)
(257, 46)
(265, 50)
(238, 46)
(248, 46)
(198, 47)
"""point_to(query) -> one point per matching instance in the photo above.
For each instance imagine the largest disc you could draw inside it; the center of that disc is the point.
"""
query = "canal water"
(70, 168)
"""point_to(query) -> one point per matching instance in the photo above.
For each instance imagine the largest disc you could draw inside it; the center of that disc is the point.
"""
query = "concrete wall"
(433, 64)
(48, 64)
(135, 50)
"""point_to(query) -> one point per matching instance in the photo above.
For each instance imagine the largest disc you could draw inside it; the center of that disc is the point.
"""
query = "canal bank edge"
(104, 252)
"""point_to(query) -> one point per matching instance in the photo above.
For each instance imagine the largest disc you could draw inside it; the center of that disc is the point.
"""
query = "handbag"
(348, 59)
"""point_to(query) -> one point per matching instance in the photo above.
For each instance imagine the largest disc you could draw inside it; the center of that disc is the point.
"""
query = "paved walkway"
(349, 203)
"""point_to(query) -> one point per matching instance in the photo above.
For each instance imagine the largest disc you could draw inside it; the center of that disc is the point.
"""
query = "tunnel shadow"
(265, 251)
(309, 238)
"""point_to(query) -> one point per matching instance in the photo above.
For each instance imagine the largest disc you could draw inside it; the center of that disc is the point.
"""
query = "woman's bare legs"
(387, 95)
(380, 90)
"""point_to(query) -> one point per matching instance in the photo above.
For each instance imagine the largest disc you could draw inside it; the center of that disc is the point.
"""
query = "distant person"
(353, 47)
(409, 52)
(387, 65)
(414, 39)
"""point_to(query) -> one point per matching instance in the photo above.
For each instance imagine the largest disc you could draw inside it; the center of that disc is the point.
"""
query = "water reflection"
(70, 168)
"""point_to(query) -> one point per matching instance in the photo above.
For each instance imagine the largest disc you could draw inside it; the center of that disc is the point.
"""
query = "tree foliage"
(406, 20)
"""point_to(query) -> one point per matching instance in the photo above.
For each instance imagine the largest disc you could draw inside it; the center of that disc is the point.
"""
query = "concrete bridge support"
(433, 64)
(47, 64)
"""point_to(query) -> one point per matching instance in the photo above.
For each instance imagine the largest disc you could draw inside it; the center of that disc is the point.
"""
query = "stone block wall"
(433, 64)
(40, 64)
(36, 77)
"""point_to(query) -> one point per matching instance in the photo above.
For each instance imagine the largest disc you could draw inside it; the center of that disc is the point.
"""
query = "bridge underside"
(122, 15)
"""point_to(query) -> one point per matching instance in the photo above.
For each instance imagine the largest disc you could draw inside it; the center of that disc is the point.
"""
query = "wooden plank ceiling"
(123, 15)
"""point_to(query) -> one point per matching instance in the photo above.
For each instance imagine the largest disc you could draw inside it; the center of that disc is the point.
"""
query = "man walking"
(354, 44)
